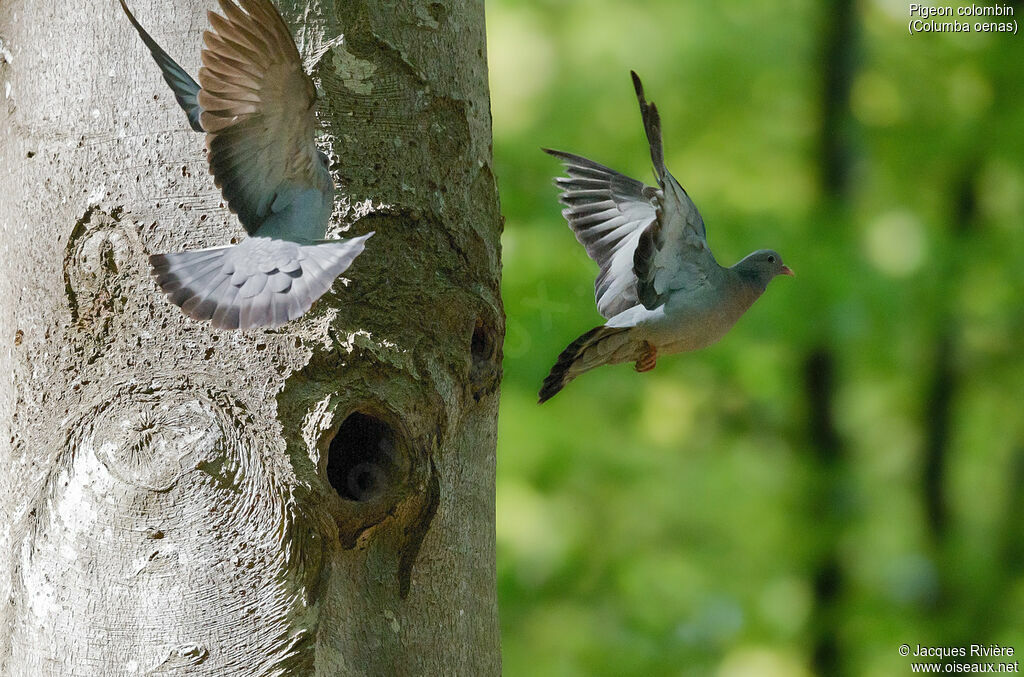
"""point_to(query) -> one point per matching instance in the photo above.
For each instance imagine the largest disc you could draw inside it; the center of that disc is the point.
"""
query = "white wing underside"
(607, 212)
(613, 216)
(649, 242)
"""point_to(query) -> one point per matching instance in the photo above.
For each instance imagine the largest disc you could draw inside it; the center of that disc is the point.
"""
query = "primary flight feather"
(659, 286)
(256, 105)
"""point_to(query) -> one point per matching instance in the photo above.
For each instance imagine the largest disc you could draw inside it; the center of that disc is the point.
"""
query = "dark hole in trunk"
(361, 458)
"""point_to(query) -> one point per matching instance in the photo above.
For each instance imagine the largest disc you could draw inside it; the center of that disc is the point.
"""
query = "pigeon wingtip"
(563, 156)
(548, 390)
(545, 395)
(637, 84)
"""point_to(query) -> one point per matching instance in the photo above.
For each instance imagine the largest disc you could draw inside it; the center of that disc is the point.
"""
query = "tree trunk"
(317, 499)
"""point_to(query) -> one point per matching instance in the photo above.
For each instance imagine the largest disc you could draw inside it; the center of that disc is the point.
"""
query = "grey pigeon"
(256, 105)
(660, 288)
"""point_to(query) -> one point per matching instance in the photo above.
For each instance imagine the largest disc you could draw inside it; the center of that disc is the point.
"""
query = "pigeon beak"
(786, 270)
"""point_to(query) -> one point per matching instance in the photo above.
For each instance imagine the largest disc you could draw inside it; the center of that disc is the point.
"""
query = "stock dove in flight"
(660, 288)
(256, 105)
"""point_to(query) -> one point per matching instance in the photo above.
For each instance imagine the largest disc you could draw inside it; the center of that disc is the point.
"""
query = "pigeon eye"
(771, 259)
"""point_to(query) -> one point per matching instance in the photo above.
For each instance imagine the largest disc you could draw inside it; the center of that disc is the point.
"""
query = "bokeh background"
(843, 473)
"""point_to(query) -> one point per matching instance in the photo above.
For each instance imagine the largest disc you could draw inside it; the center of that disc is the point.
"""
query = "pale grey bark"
(312, 500)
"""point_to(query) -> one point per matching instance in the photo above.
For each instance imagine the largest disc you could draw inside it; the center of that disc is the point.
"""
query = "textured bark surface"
(313, 500)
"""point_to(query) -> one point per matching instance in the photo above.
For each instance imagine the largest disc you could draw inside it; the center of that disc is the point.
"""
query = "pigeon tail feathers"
(599, 346)
(259, 282)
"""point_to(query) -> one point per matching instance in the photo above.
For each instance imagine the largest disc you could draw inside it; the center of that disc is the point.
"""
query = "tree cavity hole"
(361, 462)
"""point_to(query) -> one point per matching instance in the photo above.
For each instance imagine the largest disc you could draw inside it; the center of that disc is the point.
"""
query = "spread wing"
(257, 109)
(608, 212)
(672, 252)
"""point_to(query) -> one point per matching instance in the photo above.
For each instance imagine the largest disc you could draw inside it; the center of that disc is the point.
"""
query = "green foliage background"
(686, 521)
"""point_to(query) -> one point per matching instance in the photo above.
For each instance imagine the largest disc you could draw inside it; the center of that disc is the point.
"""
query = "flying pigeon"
(256, 105)
(660, 288)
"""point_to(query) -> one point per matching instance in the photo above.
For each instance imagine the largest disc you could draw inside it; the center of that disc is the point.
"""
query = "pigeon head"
(760, 267)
